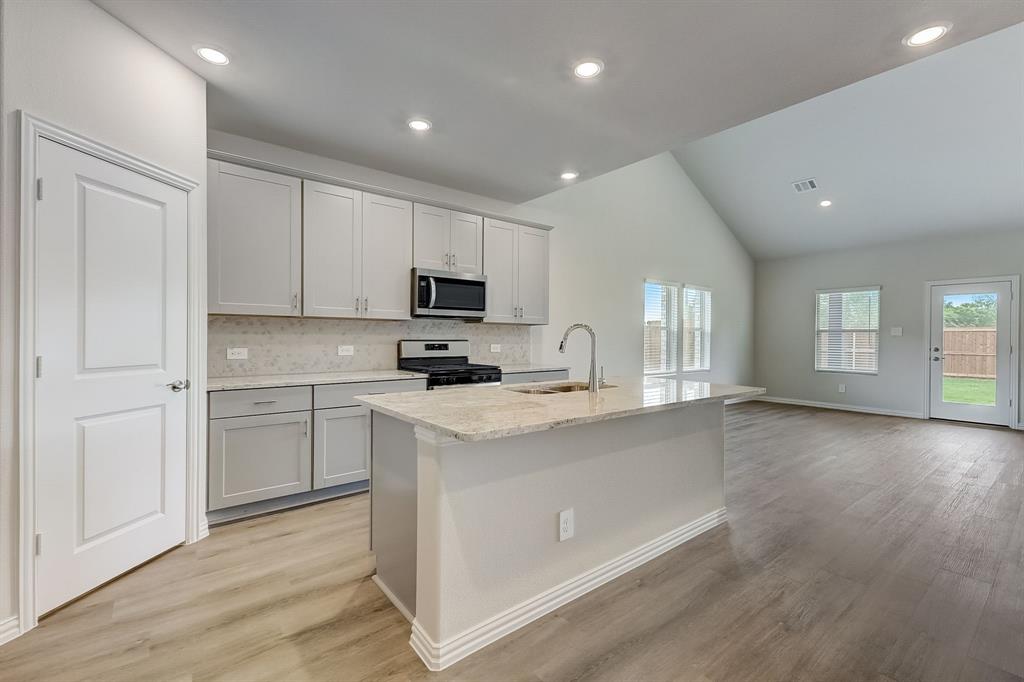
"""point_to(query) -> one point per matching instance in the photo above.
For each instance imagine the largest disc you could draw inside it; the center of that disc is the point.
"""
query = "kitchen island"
(472, 487)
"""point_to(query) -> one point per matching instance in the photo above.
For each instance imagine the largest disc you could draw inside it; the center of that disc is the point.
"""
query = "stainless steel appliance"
(446, 364)
(439, 293)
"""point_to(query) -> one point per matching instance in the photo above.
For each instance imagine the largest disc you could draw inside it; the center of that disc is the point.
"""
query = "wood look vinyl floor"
(858, 547)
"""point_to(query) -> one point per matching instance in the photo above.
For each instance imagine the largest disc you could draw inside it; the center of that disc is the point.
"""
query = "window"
(846, 330)
(661, 327)
(665, 305)
(696, 329)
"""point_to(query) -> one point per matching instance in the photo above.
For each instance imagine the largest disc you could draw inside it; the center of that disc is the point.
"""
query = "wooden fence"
(970, 352)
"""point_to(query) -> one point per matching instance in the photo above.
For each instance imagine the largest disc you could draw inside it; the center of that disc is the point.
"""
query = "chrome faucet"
(593, 385)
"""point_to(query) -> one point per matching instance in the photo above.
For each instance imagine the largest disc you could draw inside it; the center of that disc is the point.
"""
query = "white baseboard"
(841, 406)
(391, 596)
(438, 656)
(9, 629)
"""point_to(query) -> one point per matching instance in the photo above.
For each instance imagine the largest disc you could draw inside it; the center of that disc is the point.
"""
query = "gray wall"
(784, 344)
(71, 63)
(644, 220)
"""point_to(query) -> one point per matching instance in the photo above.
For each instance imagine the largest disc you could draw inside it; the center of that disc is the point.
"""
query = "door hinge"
(39, 366)
(39, 189)
(39, 544)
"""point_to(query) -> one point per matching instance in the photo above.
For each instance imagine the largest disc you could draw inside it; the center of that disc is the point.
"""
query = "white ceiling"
(341, 79)
(931, 148)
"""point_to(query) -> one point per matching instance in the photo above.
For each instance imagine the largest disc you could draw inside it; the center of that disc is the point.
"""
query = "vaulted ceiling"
(931, 148)
(341, 79)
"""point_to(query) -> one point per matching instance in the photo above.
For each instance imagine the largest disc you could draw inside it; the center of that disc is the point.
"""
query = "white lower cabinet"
(259, 457)
(341, 453)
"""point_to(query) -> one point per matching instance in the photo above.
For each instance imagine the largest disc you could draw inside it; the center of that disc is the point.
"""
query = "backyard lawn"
(969, 391)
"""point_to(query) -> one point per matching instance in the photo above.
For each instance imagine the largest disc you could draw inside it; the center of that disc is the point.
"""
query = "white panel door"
(111, 312)
(970, 352)
(332, 247)
(387, 257)
(254, 241)
(500, 244)
(533, 275)
(467, 243)
(432, 228)
(341, 453)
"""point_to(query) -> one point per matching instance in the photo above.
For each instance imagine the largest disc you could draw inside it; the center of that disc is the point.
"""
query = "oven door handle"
(433, 292)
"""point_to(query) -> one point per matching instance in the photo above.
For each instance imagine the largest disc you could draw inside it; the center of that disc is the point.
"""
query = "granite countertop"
(275, 380)
(488, 412)
(518, 368)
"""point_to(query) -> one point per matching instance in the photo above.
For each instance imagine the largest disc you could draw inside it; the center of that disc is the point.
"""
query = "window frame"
(680, 335)
(705, 329)
(643, 302)
(878, 331)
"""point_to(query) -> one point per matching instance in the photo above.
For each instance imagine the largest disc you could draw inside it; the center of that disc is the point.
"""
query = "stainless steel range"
(446, 364)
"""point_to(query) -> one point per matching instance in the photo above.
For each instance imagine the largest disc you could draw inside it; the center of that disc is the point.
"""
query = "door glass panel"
(969, 348)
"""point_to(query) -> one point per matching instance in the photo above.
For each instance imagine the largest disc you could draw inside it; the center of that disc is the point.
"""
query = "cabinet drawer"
(260, 401)
(529, 377)
(344, 395)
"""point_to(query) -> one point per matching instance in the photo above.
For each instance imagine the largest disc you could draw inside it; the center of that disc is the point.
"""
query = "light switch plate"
(346, 350)
(495, 347)
(238, 353)
(896, 331)
(842, 388)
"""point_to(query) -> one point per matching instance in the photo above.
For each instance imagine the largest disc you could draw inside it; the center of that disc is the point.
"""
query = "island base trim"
(438, 656)
(392, 598)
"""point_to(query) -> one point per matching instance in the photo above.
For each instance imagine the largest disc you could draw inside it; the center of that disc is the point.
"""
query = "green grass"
(969, 391)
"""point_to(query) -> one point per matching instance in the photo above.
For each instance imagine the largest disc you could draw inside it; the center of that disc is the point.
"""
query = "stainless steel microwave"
(439, 293)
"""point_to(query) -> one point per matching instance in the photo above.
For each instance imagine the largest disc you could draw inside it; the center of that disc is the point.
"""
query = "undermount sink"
(569, 387)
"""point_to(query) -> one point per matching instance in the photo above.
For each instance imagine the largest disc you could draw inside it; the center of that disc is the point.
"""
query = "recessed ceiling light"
(212, 55)
(420, 125)
(570, 175)
(824, 203)
(589, 68)
(927, 35)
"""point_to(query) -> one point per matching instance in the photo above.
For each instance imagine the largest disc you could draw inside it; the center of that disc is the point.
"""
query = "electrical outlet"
(566, 524)
(346, 350)
(495, 347)
(896, 331)
(238, 353)
(842, 388)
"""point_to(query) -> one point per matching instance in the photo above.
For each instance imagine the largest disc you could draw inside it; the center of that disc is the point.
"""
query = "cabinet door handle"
(264, 402)
(305, 427)
(357, 304)
(447, 260)
(295, 301)
(455, 262)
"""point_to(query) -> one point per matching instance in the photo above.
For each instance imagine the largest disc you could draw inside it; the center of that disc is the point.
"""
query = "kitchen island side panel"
(488, 526)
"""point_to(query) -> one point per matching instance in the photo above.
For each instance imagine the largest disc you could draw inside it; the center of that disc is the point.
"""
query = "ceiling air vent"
(808, 185)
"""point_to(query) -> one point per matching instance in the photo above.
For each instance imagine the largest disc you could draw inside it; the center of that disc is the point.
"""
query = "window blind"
(846, 330)
(696, 328)
(661, 327)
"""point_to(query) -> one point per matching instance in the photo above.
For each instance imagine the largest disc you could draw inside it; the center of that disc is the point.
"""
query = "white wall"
(644, 220)
(784, 353)
(70, 63)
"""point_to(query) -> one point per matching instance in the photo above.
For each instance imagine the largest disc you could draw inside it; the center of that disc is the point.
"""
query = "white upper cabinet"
(467, 243)
(532, 265)
(500, 245)
(448, 240)
(387, 257)
(432, 237)
(332, 250)
(516, 265)
(254, 241)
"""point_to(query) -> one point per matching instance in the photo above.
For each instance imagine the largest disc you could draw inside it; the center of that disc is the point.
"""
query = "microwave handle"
(433, 292)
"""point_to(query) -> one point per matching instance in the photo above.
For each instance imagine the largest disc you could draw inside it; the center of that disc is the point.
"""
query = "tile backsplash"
(286, 345)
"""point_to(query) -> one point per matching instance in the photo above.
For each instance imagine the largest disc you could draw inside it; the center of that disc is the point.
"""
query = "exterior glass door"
(970, 352)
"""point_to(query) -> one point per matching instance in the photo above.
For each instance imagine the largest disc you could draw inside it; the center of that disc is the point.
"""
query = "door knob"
(936, 359)
(179, 385)
(935, 349)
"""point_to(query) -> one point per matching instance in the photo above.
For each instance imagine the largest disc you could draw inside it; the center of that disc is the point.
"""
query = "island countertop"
(489, 412)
